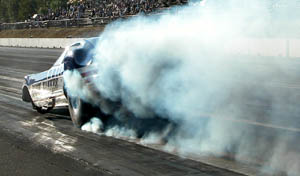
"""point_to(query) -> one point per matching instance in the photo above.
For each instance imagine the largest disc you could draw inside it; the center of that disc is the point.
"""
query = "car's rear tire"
(80, 111)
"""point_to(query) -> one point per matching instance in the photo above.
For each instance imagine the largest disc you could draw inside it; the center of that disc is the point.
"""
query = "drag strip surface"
(51, 143)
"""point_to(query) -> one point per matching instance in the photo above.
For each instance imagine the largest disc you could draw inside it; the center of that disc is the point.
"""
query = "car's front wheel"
(80, 111)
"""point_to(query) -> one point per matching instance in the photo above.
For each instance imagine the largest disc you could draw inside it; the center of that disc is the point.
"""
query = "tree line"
(20, 10)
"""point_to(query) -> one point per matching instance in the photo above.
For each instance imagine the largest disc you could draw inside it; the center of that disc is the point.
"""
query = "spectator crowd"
(105, 8)
(119, 8)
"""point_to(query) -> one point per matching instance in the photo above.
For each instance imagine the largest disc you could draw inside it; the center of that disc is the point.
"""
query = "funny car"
(46, 90)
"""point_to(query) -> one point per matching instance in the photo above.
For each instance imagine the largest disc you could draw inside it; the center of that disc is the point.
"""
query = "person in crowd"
(107, 8)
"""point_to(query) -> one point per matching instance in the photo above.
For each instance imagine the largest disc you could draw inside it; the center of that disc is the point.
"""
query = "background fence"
(57, 23)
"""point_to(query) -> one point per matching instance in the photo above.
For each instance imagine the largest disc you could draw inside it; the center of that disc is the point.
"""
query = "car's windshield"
(61, 57)
(81, 51)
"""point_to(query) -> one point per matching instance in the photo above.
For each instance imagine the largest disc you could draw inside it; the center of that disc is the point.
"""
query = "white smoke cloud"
(75, 85)
(181, 66)
(120, 132)
(95, 125)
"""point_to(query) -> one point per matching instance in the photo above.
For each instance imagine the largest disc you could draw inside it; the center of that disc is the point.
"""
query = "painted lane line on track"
(13, 73)
(10, 89)
(12, 97)
(266, 125)
(297, 130)
(15, 70)
(11, 78)
(259, 124)
(28, 61)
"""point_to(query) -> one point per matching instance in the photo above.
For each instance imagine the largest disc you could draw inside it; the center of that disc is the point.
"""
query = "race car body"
(46, 90)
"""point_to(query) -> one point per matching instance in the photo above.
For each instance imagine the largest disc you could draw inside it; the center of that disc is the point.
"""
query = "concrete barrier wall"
(38, 42)
(259, 47)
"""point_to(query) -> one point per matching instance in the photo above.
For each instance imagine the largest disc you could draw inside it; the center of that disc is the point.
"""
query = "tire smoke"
(182, 70)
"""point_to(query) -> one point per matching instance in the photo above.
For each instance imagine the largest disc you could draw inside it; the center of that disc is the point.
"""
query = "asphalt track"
(35, 144)
(48, 144)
